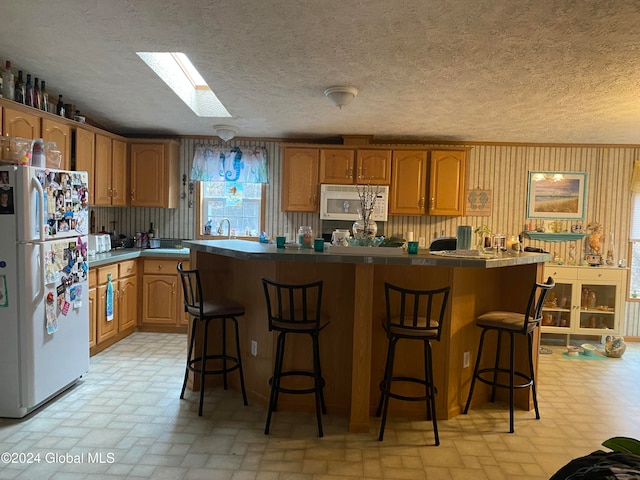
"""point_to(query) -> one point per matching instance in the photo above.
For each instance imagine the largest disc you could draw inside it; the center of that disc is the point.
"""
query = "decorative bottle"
(45, 97)
(28, 92)
(37, 94)
(19, 92)
(8, 82)
(60, 106)
(610, 251)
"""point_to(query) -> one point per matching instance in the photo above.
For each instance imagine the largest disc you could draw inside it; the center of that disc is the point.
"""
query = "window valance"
(213, 163)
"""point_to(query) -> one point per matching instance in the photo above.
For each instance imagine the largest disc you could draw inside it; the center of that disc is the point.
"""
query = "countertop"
(248, 250)
(131, 253)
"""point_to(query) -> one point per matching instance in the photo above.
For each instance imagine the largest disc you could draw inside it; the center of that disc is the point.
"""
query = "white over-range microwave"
(342, 202)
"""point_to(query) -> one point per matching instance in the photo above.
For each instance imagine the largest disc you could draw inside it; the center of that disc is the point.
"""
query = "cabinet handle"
(421, 203)
(160, 267)
(313, 199)
(115, 192)
(133, 194)
(433, 201)
(110, 192)
(173, 288)
(359, 172)
(349, 173)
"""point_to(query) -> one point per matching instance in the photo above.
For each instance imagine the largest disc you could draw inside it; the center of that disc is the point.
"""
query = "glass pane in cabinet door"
(598, 321)
(559, 297)
(598, 298)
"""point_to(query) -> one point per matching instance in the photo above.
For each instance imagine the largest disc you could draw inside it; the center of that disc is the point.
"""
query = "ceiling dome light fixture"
(225, 132)
(341, 96)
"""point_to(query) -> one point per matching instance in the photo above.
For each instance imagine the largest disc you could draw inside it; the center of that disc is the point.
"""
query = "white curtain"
(229, 164)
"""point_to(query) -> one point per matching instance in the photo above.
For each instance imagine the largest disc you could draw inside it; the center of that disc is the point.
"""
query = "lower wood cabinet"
(106, 328)
(124, 278)
(162, 302)
(147, 296)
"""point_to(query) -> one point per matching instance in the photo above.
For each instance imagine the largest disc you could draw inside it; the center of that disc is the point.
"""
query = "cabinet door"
(128, 305)
(102, 184)
(300, 179)
(336, 166)
(408, 186)
(93, 309)
(53, 131)
(447, 182)
(118, 173)
(147, 175)
(159, 294)
(374, 166)
(19, 124)
(85, 157)
(106, 328)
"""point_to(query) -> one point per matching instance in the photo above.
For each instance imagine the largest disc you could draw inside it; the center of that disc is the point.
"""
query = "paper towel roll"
(408, 236)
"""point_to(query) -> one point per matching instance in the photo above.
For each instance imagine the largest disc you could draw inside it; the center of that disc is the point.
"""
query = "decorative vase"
(365, 227)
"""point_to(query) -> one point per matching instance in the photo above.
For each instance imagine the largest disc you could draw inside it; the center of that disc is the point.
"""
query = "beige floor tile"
(128, 406)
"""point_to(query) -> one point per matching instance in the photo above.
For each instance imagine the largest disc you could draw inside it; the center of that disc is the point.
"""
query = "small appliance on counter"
(100, 242)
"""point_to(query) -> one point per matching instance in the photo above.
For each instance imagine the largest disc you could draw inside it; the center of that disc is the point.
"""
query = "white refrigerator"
(44, 311)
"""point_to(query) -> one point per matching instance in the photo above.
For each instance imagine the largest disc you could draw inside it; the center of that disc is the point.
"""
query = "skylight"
(177, 71)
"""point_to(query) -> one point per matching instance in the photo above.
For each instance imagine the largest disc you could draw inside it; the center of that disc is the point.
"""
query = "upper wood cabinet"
(447, 172)
(373, 166)
(84, 142)
(348, 166)
(59, 133)
(154, 173)
(337, 166)
(110, 182)
(300, 186)
(16, 123)
(407, 195)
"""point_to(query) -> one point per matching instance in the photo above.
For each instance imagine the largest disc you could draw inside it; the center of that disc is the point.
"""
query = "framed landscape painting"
(557, 195)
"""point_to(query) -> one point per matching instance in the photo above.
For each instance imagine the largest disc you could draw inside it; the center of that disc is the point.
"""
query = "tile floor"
(124, 420)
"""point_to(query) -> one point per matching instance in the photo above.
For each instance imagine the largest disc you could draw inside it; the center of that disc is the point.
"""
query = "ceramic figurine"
(594, 237)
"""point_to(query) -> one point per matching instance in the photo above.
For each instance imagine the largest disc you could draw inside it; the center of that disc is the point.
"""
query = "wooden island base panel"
(353, 345)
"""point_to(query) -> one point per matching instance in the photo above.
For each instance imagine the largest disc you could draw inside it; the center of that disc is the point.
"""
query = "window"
(634, 270)
(241, 203)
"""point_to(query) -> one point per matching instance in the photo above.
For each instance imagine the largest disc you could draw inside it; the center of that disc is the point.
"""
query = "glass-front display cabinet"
(584, 301)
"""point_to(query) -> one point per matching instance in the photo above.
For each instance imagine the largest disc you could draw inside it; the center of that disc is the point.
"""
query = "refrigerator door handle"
(36, 183)
(39, 283)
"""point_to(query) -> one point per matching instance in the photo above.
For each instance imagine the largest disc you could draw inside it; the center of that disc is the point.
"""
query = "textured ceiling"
(463, 70)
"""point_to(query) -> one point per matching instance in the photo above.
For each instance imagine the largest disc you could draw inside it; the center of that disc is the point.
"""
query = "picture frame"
(557, 195)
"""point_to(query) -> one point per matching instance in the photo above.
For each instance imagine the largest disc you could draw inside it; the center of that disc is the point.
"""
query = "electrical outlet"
(465, 360)
(254, 348)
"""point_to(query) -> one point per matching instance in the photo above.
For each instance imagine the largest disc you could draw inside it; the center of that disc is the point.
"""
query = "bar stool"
(205, 310)
(412, 315)
(511, 323)
(295, 309)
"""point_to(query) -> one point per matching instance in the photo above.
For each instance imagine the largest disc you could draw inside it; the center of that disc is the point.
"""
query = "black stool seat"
(412, 315)
(511, 324)
(205, 311)
(295, 309)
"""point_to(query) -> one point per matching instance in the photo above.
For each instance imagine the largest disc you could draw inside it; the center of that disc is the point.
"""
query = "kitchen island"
(353, 346)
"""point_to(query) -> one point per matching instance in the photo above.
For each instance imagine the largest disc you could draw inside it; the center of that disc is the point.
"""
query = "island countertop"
(353, 344)
(247, 250)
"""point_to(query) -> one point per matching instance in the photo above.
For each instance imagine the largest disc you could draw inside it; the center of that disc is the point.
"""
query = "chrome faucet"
(219, 231)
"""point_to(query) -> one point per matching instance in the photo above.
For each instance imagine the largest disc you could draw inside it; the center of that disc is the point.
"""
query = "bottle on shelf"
(151, 233)
(37, 94)
(28, 92)
(8, 82)
(19, 91)
(60, 106)
(45, 97)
